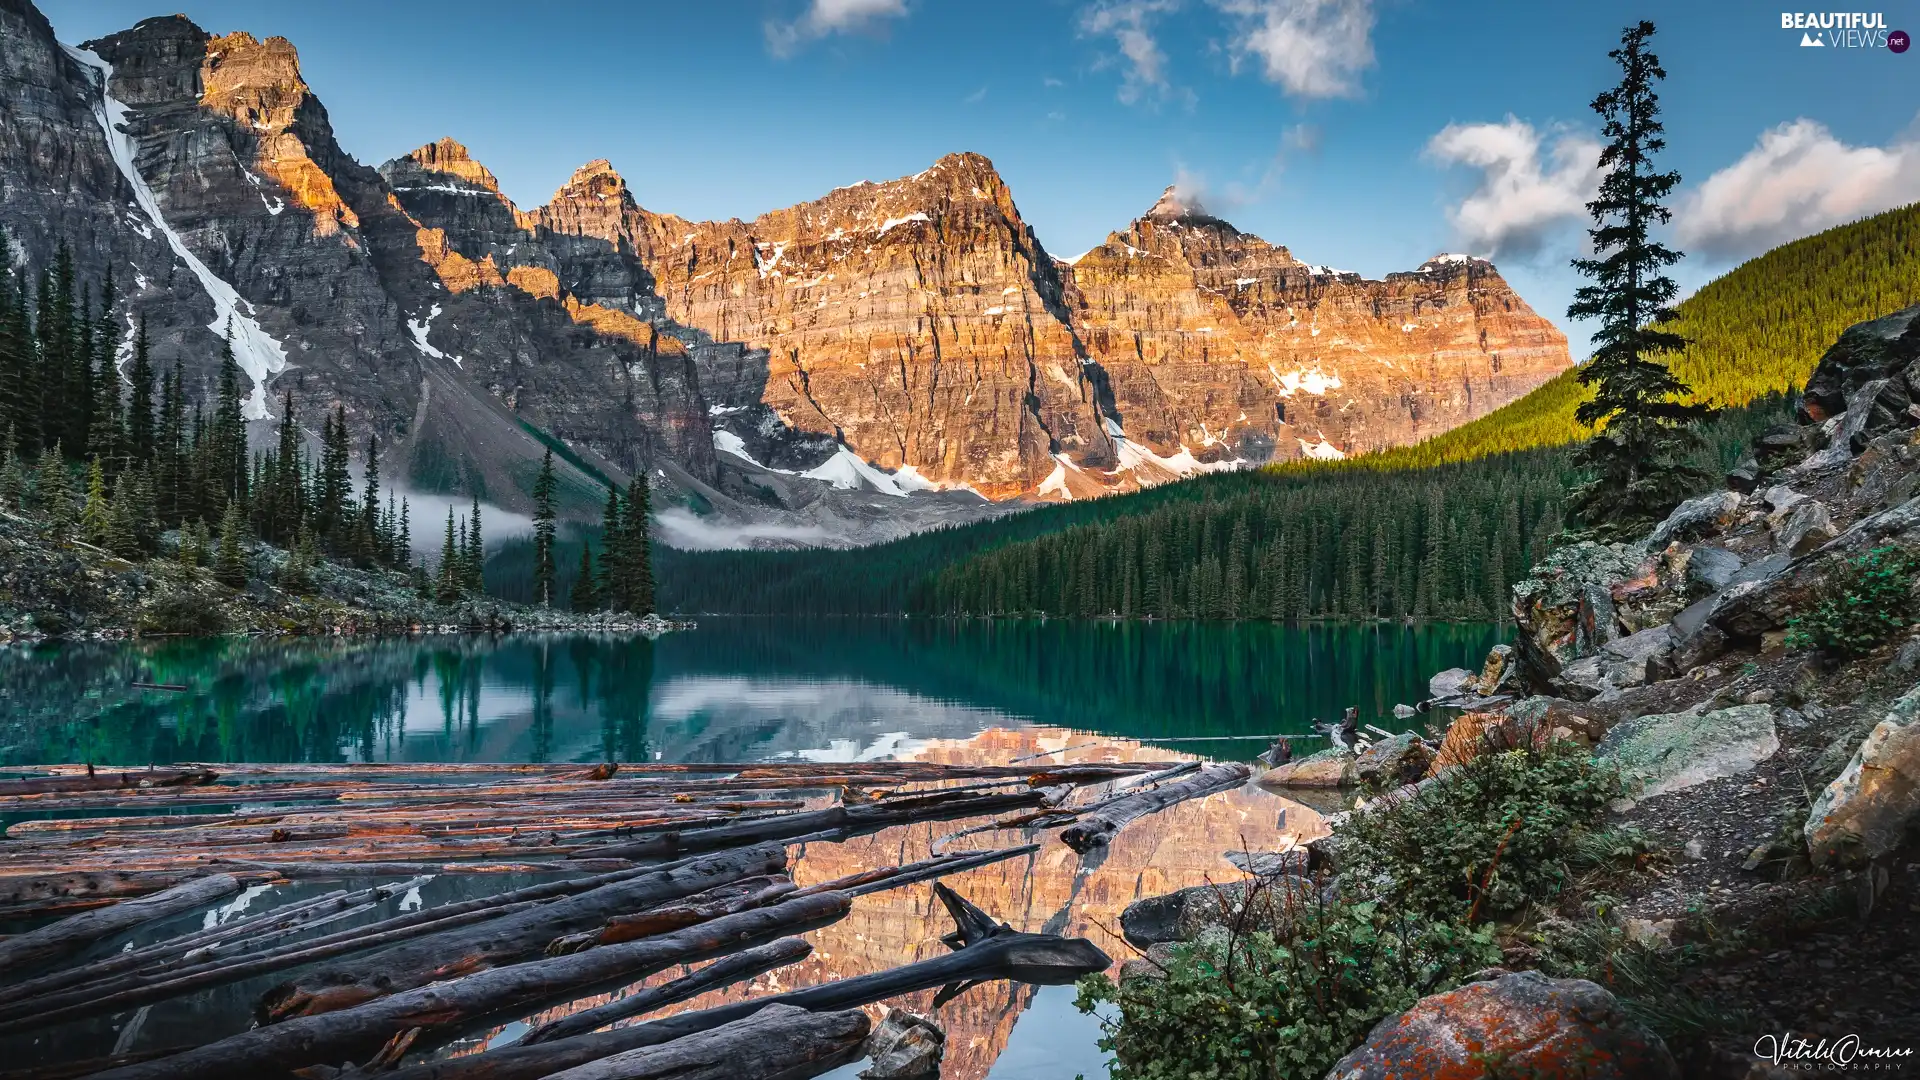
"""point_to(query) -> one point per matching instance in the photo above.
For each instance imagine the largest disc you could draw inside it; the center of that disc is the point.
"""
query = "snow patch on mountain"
(258, 353)
(1304, 380)
(1322, 450)
(419, 328)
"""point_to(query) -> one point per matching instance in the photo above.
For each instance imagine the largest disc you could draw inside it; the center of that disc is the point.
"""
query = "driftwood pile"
(642, 870)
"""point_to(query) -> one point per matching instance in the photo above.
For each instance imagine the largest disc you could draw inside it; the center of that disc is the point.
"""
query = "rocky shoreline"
(1768, 753)
(67, 589)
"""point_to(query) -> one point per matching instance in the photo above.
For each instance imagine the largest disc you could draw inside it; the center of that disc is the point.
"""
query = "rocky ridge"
(852, 368)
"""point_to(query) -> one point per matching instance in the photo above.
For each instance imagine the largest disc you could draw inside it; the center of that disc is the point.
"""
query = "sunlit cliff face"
(1052, 891)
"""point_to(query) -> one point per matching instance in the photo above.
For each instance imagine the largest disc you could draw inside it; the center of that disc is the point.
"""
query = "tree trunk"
(1099, 828)
(76, 932)
(777, 1043)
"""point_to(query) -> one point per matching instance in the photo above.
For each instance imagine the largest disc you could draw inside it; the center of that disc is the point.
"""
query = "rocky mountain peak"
(257, 82)
(594, 180)
(1172, 206)
(451, 158)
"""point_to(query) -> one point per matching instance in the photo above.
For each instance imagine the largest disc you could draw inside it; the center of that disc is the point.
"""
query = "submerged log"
(1099, 828)
(722, 972)
(984, 951)
(445, 1010)
(22, 952)
(777, 1043)
(518, 937)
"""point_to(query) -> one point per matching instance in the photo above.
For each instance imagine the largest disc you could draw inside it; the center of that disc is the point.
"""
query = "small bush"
(182, 613)
(1869, 602)
(1282, 1005)
(1491, 837)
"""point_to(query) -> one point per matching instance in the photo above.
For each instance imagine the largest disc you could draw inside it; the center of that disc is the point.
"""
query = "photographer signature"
(1787, 1048)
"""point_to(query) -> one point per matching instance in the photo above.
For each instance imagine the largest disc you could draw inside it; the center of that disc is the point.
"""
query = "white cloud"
(1524, 196)
(1310, 48)
(1797, 180)
(682, 529)
(825, 17)
(1130, 24)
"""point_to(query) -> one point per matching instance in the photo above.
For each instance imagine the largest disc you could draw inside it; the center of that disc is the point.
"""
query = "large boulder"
(1183, 915)
(1521, 1024)
(905, 1046)
(1867, 811)
(1708, 515)
(1804, 528)
(1566, 610)
(1330, 768)
(1883, 348)
(1755, 606)
(1670, 751)
(1392, 762)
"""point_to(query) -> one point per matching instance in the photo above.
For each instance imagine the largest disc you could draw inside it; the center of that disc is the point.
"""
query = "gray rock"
(1869, 809)
(1706, 515)
(1638, 659)
(1184, 914)
(1712, 567)
(1876, 349)
(1668, 752)
(1908, 657)
(1449, 683)
(1270, 863)
(1404, 711)
(905, 1046)
(1780, 498)
(1330, 768)
(1804, 528)
(1745, 476)
(1529, 1024)
(1401, 759)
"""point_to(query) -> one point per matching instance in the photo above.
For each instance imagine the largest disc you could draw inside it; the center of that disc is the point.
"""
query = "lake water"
(760, 689)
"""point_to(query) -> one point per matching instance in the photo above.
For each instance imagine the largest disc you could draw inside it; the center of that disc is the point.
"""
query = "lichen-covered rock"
(1763, 603)
(1392, 762)
(1566, 610)
(905, 1046)
(1523, 1024)
(1869, 808)
(1667, 752)
(1333, 767)
(1805, 527)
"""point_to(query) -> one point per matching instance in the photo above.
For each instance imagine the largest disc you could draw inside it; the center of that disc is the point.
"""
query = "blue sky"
(1365, 134)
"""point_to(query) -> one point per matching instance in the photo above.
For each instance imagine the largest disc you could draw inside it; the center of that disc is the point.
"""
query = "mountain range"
(889, 357)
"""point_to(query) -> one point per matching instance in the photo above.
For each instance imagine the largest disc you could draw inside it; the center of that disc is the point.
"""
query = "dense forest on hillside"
(1298, 540)
(1305, 541)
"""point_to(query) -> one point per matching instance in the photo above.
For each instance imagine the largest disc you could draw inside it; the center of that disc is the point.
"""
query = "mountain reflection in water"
(745, 690)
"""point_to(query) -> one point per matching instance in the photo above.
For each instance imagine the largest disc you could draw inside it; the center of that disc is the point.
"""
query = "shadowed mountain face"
(889, 357)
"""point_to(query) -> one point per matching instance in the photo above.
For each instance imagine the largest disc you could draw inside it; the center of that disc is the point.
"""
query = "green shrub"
(1280, 1004)
(182, 613)
(1490, 837)
(1869, 602)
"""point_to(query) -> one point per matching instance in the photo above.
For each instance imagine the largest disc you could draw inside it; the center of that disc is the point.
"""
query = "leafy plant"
(1494, 834)
(1868, 603)
(1282, 1002)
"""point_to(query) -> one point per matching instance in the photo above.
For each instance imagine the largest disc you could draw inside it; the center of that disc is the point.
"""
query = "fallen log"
(77, 932)
(104, 781)
(445, 1010)
(777, 1043)
(1099, 828)
(509, 940)
(984, 951)
(723, 972)
(128, 991)
(835, 820)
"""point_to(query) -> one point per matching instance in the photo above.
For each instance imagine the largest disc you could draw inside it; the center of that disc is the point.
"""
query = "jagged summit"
(1172, 206)
(595, 179)
(452, 158)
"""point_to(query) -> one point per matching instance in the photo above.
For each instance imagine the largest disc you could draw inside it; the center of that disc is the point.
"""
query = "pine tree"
(336, 482)
(53, 492)
(1639, 456)
(140, 423)
(106, 430)
(403, 543)
(611, 522)
(96, 514)
(230, 565)
(13, 475)
(368, 532)
(170, 477)
(586, 596)
(448, 590)
(227, 448)
(636, 537)
(543, 531)
(476, 553)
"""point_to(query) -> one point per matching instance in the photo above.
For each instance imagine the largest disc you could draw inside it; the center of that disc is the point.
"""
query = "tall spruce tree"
(1638, 458)
(140, 430)
(106, 424)
(611, 523)
(367, 542)
(586, 591)
(543, 531)
(226, 463)
(476, 553)
(447, 588)
(636, 540)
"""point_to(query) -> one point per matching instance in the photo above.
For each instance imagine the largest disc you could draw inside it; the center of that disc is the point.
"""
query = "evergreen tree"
(1639, 457)
(230, 565)
(226, 464)
(543, 531)
(194, 542)
(106, 430)
(368, 541)
(476, 553)
(170, 473)
(96, 514)
(636, 536)
(13, 476)
(140, 421)
(15, 346)
(611, 522)
(586, 594)
(403, 544)
(448, 590)
(53, 493)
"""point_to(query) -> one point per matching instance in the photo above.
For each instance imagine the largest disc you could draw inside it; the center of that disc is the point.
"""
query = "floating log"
(509, 940)
(777, 1043)
(723, 972)
(1099, 828)
(839, 821)
(984, 951)
(178, 688)
(77, 932)
(728, 899)
(145, 780)
(445, 1010)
